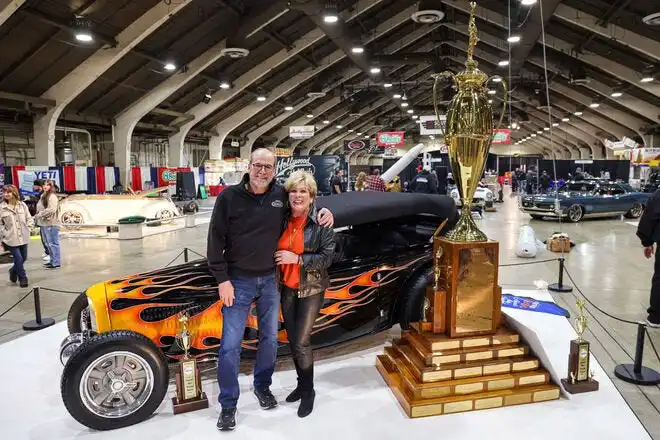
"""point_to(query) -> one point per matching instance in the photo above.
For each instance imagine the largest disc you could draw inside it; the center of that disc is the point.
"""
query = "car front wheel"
(574, 213)
(79, 315)
(113, 380)
(414, 296)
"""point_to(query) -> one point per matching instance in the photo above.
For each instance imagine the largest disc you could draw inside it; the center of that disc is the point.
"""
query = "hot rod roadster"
(123, 331)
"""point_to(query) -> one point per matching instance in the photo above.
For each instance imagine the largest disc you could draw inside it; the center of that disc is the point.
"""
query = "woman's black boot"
(306, 404)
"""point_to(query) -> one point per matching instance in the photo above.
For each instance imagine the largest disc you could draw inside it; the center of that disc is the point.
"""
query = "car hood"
(551, 197)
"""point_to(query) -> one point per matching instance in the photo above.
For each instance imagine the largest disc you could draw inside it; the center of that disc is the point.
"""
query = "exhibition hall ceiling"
(346, 66)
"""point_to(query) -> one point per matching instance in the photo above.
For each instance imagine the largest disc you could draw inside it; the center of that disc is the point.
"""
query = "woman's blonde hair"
(11, 189)
(359, 182)
(302, 178)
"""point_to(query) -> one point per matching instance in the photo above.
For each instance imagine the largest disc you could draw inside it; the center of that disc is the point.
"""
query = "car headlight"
(489, 196)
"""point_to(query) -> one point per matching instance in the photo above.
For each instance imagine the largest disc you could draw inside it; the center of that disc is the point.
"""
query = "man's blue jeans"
(264, 291)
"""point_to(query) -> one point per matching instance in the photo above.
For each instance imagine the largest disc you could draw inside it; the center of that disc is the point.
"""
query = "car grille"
(528, 204)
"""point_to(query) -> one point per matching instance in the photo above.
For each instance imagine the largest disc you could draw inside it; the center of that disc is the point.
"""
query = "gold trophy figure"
(189, 394)
(468, 134)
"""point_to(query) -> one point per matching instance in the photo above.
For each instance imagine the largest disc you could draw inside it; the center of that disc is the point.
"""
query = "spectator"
(648, 232)
(336, 184)
(374, 182)
(394, 185)
(361, 182)
(15, 224)
(424, 182)
(46, 217)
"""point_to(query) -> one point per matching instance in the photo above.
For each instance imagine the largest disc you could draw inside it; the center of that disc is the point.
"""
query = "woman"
(305, 252)
(46, 218)
(15, 224)
(360, 182)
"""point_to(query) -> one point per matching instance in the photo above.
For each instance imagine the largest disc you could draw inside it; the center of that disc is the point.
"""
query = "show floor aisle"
(353, 402)
(606, 263)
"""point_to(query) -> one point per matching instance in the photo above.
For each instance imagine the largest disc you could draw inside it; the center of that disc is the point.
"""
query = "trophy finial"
(581, 320)
(184, 337)
(474, 38)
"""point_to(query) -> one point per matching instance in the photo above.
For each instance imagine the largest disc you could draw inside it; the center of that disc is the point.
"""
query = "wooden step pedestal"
(432, 374)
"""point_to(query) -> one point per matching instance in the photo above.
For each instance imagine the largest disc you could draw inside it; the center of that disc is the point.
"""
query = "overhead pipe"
(78, 130)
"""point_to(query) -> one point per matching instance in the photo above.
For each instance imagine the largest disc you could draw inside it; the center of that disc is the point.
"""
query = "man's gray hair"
(263, 150)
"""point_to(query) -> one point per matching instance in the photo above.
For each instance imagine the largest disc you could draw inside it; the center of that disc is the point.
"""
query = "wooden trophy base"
(433, 374)
(191, 405)
(584, 386)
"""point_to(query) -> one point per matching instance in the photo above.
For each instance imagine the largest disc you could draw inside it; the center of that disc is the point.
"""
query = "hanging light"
(326, 121)
(513, 39)
(410, 112)
(492, 92)
(404, 104)
(503, 63)
(261, 98)
(647, 79)
(309, 115)
(578, 113)
(330, 13)
(527, 2)
(616, 94)
(556, 124)
(169, 66)
(497, 79)
(566, 119)
(357, 49)
(288, 108)
(387, 85)
(339, 126)
(375, 70)
(225, 85)
(594, 105)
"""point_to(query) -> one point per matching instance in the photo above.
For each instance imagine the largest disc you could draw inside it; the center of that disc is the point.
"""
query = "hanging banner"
(430, 126)
(2, 174)
(390, 152)
(502, 137)
(355, 145)
(301, 131)
(26, 179)
(390, 139)
(644, 156)
(323, 167)
(376, 149)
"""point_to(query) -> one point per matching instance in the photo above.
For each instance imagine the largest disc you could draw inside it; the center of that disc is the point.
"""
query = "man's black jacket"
(244, 231)
(424, 182)
(648, 229)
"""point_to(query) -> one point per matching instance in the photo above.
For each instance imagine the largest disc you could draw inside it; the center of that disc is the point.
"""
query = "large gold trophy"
(460, 357)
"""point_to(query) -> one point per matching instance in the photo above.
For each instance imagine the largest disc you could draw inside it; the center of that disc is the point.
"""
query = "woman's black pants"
(299, 317)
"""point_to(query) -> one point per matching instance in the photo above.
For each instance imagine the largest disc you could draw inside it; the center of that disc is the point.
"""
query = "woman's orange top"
(293, 239)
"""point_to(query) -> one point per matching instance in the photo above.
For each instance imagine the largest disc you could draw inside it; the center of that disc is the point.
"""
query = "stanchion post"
(39, 322)
(637, 373)
(560, 286)
(185, 254)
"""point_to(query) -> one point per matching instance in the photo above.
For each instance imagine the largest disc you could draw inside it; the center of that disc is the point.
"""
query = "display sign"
(26, 179)
(301, 131)
(644, 156)
(2, 174)
(323, 167)
(390, 152)
(355, 145)
(502, 136)
(390, 139)
(376, 149)
(430, 125)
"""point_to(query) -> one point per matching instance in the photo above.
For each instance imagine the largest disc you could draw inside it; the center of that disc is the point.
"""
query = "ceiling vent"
(235, 52)
(652, 19)
(429, 11)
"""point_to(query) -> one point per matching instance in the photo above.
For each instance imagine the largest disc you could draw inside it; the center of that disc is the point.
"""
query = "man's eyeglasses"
(260, 166)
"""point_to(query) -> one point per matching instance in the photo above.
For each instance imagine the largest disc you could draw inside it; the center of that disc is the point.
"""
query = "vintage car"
(587, 198)
(483, 199)
(106, 209)
(124, 331)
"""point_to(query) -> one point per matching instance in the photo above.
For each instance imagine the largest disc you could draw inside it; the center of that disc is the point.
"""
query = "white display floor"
(353, 401)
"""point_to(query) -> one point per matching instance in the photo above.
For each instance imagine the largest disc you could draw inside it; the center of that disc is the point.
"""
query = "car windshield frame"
(571, 187)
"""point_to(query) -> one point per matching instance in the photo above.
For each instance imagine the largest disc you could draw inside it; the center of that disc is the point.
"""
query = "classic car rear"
(123, 331)
(587, 198)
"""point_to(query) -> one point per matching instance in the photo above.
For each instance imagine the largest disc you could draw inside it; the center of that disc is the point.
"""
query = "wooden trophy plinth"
(189, 395)
(462, 356)
(579, 379)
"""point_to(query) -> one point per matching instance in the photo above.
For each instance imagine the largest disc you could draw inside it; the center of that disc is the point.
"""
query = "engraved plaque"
(475, 290)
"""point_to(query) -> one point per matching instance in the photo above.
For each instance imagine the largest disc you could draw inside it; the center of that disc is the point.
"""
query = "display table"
(352, 400)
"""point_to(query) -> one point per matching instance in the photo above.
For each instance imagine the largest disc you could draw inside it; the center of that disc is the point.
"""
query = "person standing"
(424, 182)
(375, 182)
(46, 217)
(15, 224)
(246, 224)
(305, 251)
(648, 232)
(336, 184)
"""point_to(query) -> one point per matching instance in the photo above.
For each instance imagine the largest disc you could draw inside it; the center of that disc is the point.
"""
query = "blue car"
(587, 198)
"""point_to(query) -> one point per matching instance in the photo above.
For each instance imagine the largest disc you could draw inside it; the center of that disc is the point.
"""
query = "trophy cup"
(580, 379)
(459, 358)
(189, 394)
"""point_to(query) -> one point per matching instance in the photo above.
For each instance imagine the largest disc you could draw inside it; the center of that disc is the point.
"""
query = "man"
(424, 182)
(375, 182)
(246, 224)
(336, 185)
(648, 231)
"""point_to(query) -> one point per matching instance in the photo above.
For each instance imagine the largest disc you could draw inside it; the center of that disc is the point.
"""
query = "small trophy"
(580, 378)
(189, 394)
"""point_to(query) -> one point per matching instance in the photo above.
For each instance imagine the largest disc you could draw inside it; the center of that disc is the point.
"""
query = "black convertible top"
(354, 208)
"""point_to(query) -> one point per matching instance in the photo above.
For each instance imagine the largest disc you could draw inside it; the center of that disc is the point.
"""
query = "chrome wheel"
(72, 219)
(574, 213)
(636, 211)
(165, 215)
(117, 384)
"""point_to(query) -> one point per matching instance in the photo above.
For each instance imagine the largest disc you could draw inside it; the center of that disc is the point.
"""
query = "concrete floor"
(607, 265)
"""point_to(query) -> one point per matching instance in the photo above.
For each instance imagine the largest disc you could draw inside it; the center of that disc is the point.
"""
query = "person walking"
(46, 218)
(305, 251)
(15, 224)
(246, 224)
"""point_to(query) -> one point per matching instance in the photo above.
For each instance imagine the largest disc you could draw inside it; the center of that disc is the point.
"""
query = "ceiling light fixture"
(261, 98)
(616, 95)
(533, 135)
(357, 49)
(359, 133)
(397, 96)
(414, 116)
(578, 113)
(503, 63)
(404, 104)
(497, 79)
(566, 119)
(169, 66)
(646, 79)
(288, 108)
(594, 105)
(387, 85)
(309, 115)
(339, 126)
(225, 85)
(84, 36)
(539, 132)
(556, 124)
(491, 92)
(546, 128)
(490, 101)
(527, 2)
(410, 112)
(330, 13)
(513, 39)
(375, 70)
(326, 122)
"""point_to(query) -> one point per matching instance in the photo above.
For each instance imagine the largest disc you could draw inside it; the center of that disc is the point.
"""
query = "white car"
(483, 198)
(107, 209)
